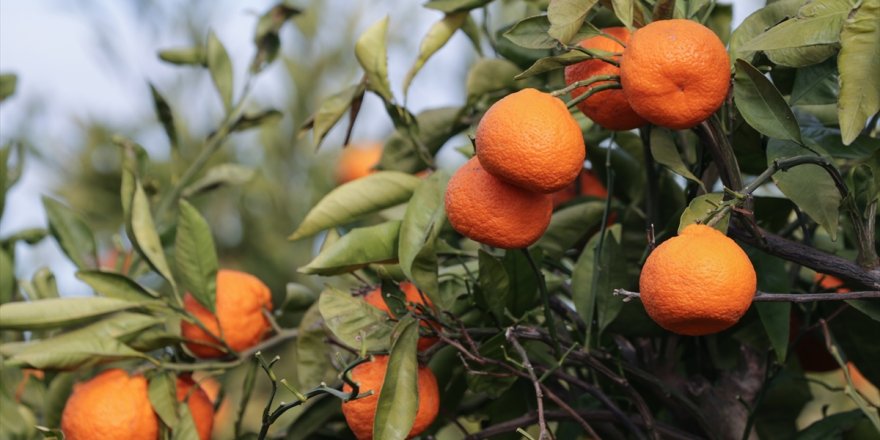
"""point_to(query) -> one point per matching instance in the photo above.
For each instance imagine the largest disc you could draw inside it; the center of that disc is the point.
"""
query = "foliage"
(531, 340)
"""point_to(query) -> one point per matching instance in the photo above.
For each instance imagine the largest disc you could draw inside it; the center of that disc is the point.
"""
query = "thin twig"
(584, 83)
(539, 396)
(592, 92)
(786, 297)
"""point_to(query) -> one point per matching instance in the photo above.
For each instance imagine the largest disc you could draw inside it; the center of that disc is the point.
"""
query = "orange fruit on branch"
(697, 283)
(675, 73)
(240, 301)
(413, 297)
(529, 139)
(360, 413)
(357, 160)
(608, 108)
(491, 211)
(110, 406)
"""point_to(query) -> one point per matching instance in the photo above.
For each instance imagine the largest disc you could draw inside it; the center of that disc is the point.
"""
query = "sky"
(58, 49)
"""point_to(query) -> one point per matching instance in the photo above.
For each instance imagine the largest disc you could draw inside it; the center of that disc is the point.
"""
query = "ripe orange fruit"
(675, 73)
(529, 139)
(110, 406)
(829, 282)
(375, 299)
(240, 301)
(587, 185)
(608, 108)
(697, 283)
(359, 414)
(357, 160)
(486, 209)
(200, 405)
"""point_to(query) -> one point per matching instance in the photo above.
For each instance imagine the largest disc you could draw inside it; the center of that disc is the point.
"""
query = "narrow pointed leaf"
(371, 51)
(58, 312)
(424, 219)
(228, 174)
(356, 249)
(664, 151)
(73, 235)
(566, 18)
(146, 239)
(354, 322)
(163, 397)
(762, 106)
(196, 256)
(436, 38)
(357, 198)
(221, 69)
(398, 402)
(114, 285)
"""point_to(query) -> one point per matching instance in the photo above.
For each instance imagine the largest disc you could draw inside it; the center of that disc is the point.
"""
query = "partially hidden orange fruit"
(375, 299)
(357, 160)
(675, 73)
(110, 406)
(240, 301)
(200, 405)
(491, 211)
(360, 413)
(697, 283)
(830, 282)
(529, 139)
(587, 184)
(608, 108)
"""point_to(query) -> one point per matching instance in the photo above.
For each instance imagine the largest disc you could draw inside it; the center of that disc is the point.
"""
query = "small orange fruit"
(529, 139)
(832, 283)
(675, 73)
(375, 299)
(697, 283)
(357, 160)
(199, 403)
(486, 209)
(369, 376)
(608, 108)
(587, 185)
(110, 406)
(240, 301)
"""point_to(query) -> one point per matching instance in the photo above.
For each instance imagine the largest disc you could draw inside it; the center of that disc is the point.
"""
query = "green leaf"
(7, 277)
(56, 397)
(372, 53)
(163, 397)
(221, 69)
(435, 127)
(473, 32)
(358, 248)
(252, 120)
(596, 274)
(436, 38)
(354, 322)
(490, 75)
(196, 256)
(185, 56)
(58, 312)
(186, 426)
(266, 35)
(665, 152)
(869, 308)
(166, 117)
(100, 342)
(699, 209)
(450, 6)
(776, 316)
(524, 295)
(333, 109)
(356, 199)
(114, 285)
(817, 22)
(41, 286)
(832, 426)
(532, 33)
(569, 225)
(761, 104)
(8, 83)
(313, 360)
(816, 85)
(144, 235)
(808, 186)
(398, 401)
(424, 219)
(227, 174)
(567, 16)
(757, 23)
(859, 66)
(494, 283)
(554, 62)
(624, 10)
(73, 235)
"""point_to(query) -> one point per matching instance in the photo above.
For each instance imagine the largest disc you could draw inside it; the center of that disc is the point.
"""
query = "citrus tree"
(716, 251)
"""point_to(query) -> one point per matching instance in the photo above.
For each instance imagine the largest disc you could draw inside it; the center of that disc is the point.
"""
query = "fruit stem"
(595, 54)
(592, 92)
(584, 83)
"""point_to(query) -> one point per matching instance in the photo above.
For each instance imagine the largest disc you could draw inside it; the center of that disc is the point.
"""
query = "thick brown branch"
(810, 257)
